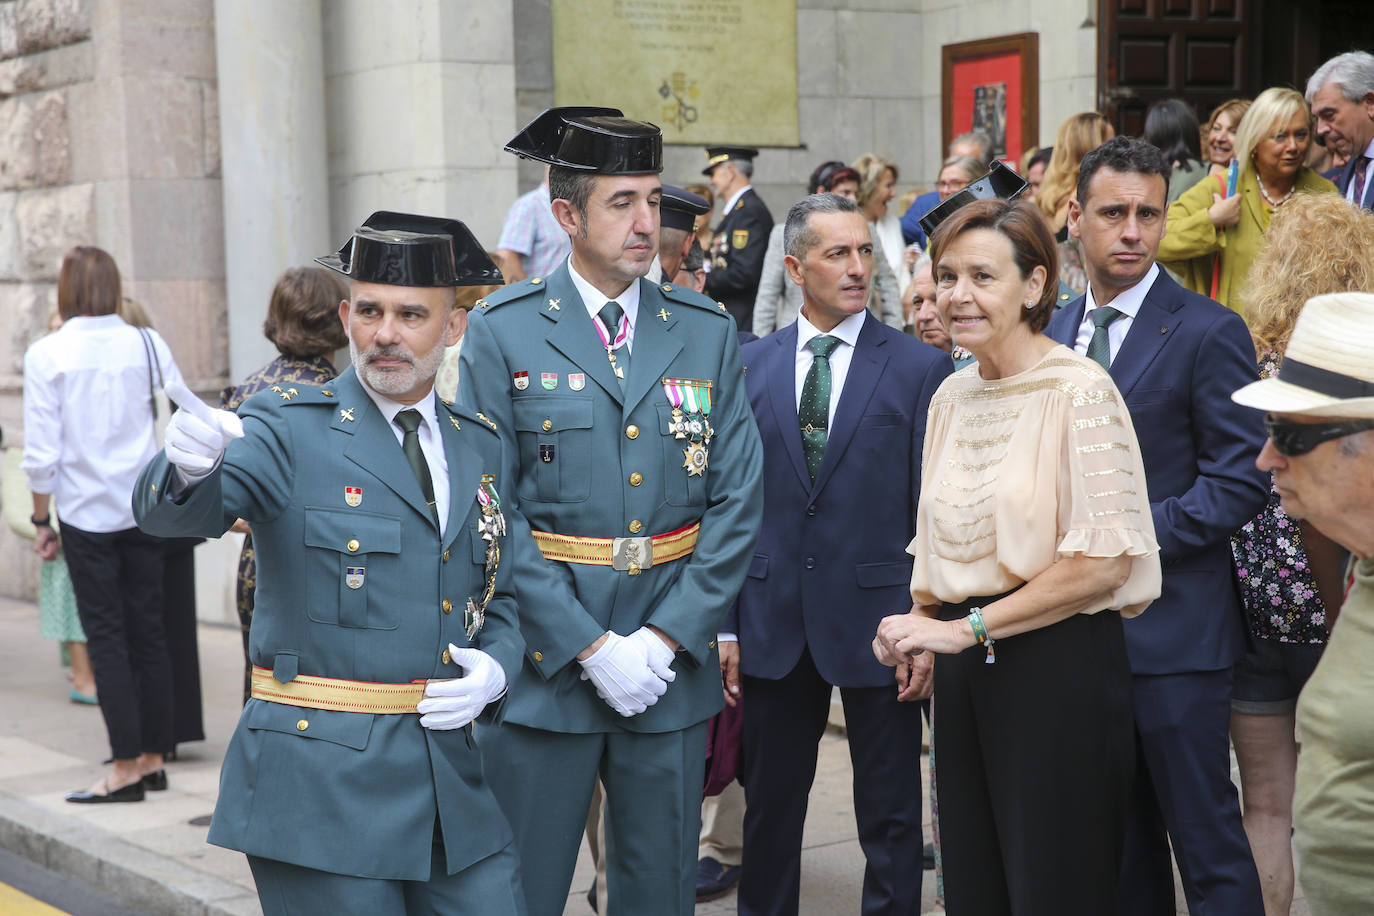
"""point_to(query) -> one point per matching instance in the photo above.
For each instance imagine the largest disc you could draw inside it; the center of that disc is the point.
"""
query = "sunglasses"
(1292, 439)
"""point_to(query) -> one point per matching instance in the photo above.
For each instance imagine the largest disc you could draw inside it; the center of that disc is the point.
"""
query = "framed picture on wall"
(993, 85)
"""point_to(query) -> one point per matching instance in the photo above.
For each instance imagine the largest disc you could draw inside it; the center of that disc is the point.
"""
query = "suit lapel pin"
(1163, 330)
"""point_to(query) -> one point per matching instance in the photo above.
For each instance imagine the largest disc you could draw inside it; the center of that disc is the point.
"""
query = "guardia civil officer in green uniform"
(639, 471)
(385, 619)
(741, 239)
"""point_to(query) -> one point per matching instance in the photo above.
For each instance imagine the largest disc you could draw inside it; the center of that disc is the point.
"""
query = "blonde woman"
(1079, 135)
(1210, 240)
(877, 189)
(1289, 573)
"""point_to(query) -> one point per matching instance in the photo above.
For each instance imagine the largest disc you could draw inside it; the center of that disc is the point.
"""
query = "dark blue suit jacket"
(1183, 356)
(831, 560)
(1347, 176)
(911, 219)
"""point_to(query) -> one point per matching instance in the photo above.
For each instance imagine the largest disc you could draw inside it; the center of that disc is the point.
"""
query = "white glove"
(195, 440)
(621, 674)
(656, 653)
(454, 703)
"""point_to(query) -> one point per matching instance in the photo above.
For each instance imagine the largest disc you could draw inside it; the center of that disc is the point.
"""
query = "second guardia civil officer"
(385, 620)
(640, 471)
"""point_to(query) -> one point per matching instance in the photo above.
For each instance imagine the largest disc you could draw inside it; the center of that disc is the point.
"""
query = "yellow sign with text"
(706, 71)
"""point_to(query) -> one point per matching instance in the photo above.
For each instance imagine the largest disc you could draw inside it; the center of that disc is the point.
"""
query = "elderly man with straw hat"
(1321, 449)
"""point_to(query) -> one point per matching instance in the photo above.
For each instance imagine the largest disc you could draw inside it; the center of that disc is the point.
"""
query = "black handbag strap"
(155, 382)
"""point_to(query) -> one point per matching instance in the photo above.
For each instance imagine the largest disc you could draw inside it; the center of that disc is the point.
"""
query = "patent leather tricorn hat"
(1000, 182)
(588, 139)
(405, 249)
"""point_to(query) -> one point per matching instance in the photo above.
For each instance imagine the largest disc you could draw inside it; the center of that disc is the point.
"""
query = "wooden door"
(1149, 50)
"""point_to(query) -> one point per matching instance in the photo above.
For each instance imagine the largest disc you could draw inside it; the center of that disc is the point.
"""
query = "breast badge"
(691, 400)
(577, 381)
(549, 380)
(739, 238)
(354, 576)
(353, 496)
(521, 380)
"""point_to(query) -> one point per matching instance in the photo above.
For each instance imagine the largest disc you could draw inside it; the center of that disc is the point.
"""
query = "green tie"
(409, 421)
(813, 415)
(610, 316)
(1100, 346)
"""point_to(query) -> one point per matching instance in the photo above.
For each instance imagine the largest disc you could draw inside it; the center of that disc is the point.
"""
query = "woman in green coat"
(1211, 240)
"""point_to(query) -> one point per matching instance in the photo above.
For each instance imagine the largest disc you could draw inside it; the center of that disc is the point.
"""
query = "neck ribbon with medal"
(691, 400)
(492, 525)
(621, 337)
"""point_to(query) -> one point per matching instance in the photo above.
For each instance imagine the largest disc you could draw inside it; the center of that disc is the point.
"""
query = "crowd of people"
(996, 458)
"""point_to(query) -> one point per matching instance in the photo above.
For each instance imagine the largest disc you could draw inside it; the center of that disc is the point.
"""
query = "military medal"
(353, 496)
(354, 576)
(621, 337)
(577, 381)
(549, 380)
(492, 526)
(521, 379)
(691, 400)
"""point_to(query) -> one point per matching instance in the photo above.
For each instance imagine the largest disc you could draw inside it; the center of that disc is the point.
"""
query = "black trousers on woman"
(117, 578)
(1033, 768)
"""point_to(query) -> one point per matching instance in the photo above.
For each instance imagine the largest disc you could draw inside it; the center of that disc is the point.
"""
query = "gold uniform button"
(448, 606)
(353, 545)
(302, 725)
(327, 393)
(636, 526)
(632, 432)
(445, 556)
(537, 280)
(636, 479)
(446, 658)
(546, 425)
(538, 656)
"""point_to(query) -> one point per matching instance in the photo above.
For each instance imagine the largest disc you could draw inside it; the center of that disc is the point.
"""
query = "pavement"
(152, 857)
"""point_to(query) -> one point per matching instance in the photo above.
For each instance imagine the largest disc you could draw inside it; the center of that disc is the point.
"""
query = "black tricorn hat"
(715, 155)
(405, 249)
(1000, 182)
(680, 208)
(589, 139)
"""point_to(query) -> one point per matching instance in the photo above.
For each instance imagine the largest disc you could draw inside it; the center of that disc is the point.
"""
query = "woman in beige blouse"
(1034, 538)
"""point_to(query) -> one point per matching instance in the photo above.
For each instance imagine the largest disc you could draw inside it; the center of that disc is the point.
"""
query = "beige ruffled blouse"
(1023, 470)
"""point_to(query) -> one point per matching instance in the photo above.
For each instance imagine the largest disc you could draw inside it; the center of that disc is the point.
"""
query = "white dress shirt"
(88, 417)
(1368, 176)
(1127, 302)
(595, 301)
(848, 333)
(734, 199)
(431, 443)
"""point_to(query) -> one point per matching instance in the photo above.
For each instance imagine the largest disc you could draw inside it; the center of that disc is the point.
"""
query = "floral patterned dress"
(1277, 586)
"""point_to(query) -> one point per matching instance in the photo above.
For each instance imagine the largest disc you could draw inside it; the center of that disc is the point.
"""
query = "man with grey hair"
(976, 145)
(840, 399)
(736, 261)
(1321, 450)
(1341, 94)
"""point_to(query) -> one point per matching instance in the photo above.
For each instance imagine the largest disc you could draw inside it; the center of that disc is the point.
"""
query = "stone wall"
(108, 137)
(868, 76)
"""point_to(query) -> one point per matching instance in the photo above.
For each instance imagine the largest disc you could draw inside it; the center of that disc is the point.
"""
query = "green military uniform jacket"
(596, 462)
(364, 592)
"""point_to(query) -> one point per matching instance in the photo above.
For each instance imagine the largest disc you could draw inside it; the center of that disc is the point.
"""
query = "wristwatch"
(44, 522)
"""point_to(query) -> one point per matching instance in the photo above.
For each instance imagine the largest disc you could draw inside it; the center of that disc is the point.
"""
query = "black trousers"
(117, 578)
(1033, 768)
(783, 723)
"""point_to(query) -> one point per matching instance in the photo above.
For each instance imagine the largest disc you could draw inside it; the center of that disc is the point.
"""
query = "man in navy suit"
(1175, 356)
(841, 401)
(1341, 94)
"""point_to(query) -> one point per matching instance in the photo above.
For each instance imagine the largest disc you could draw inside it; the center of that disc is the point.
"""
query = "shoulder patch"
(510, 293)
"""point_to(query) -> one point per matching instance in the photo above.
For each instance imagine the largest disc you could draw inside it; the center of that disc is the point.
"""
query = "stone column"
(272, 140)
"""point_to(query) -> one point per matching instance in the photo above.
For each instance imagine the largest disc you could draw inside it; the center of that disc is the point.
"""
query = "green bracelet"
(980, 633)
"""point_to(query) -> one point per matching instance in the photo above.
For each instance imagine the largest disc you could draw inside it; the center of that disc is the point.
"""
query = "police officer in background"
(741, 240)
(385, 619)
(639, 470)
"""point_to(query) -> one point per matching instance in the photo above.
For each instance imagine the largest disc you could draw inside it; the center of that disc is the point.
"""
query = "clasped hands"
(902, 637)
(630, 672)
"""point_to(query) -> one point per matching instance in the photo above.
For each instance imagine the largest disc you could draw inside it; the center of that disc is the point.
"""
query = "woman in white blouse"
(1034, 538)
(88, 431)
